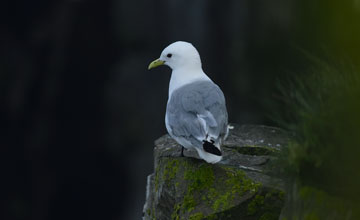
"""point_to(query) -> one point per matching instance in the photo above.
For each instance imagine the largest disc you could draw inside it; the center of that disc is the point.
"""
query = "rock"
(235, 188)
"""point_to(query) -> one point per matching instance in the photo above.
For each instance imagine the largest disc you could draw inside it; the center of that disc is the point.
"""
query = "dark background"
(79, 110)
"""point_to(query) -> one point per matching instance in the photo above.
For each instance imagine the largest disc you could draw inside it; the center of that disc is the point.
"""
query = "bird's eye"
(169, 55)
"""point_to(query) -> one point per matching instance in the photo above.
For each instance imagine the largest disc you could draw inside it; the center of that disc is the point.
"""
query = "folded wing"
(195, 113)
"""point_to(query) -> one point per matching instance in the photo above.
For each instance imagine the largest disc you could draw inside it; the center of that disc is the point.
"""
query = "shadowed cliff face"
(236, 187)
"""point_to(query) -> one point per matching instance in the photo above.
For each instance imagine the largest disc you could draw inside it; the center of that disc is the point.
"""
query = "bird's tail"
(211, 148)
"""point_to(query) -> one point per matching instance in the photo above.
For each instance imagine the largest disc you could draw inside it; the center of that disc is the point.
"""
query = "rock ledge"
(235, 188)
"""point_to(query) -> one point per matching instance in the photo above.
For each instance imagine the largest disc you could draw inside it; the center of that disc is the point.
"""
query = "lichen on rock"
(237, 187)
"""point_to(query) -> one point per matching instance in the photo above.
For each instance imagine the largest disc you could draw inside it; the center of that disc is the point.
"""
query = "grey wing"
(197, 112)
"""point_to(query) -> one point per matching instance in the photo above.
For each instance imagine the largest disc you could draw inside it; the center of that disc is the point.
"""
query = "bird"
(196, 116)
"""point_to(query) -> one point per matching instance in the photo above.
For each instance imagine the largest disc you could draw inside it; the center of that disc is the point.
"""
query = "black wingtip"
(210, 148)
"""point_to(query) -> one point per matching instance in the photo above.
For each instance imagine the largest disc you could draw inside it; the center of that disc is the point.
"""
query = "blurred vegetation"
(320, 105)
(322, 109)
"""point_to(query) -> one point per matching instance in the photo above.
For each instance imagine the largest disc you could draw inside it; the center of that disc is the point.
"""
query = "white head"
(179, 55)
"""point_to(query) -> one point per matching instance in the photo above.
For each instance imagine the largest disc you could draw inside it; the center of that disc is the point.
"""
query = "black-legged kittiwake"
(196, 115)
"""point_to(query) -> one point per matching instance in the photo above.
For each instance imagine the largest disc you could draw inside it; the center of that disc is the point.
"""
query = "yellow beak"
(156, 63)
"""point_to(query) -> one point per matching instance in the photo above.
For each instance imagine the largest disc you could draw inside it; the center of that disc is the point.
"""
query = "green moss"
(274, 201)
(254, 205)
(311, 216)
(196, 216)
(148, 212)
(171, 169)
(269, 216)
(266, 206)
(222, 201)
(202, 186)
(153, 213)
(157, 178)
(275, 194)
(254, 150)
(166, 171)
(240, 183)
(236, 185)
(215, 216)
(189, 202)
(200, 178)
(175, 214)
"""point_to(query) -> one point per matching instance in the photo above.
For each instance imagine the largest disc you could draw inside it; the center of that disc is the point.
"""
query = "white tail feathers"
(210, 158)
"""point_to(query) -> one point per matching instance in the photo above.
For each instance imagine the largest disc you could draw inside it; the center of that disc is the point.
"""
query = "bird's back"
(197, 111)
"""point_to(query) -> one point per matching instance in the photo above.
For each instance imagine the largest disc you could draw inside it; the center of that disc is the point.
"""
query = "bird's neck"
(181, 77)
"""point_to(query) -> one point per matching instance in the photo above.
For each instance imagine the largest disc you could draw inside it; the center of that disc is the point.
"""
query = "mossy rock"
(236, 188)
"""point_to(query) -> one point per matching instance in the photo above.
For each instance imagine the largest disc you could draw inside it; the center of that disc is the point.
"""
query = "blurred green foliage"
(320, 104)
(322, 108)
(329, 24)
